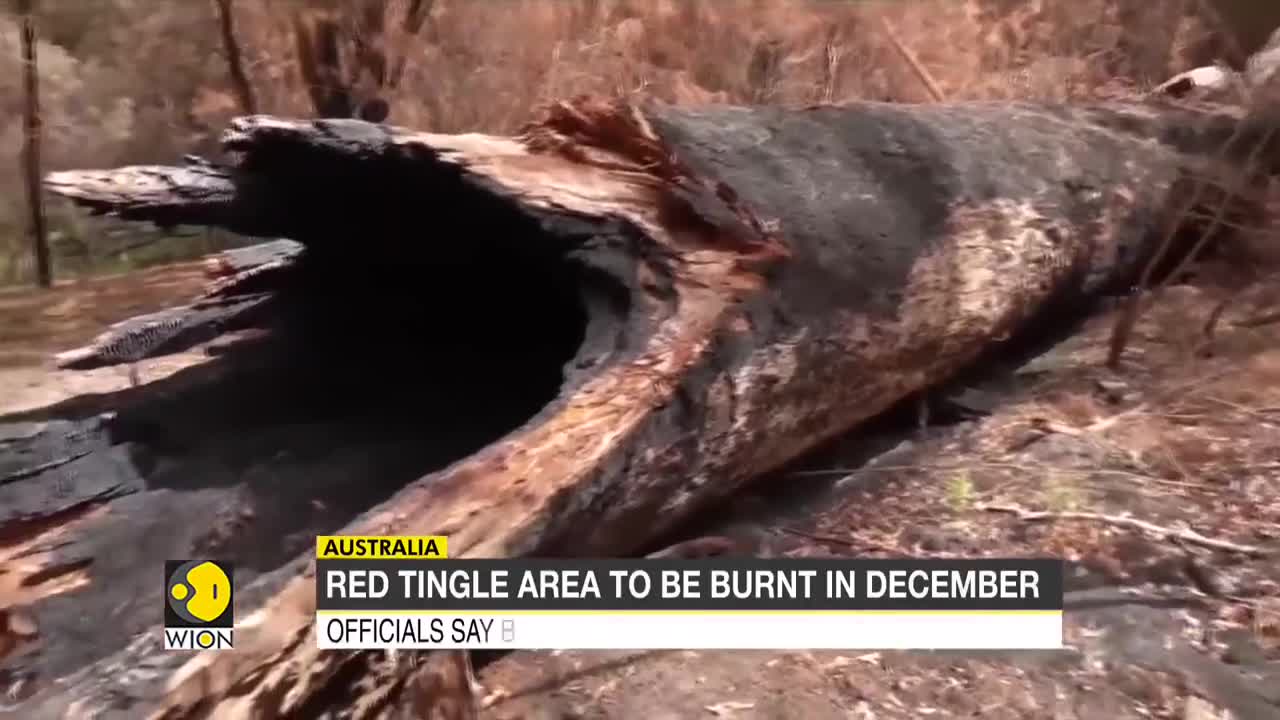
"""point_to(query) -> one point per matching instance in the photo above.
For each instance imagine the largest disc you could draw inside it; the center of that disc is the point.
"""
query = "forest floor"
(37, 324)
(1179, 622)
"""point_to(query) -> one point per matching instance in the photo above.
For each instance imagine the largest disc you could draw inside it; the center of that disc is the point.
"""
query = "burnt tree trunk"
(702, 295)
(31, 147)
(235, 58)
(352, 61)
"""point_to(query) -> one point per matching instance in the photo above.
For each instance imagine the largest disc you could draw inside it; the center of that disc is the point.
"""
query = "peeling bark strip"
(756, 282)
(241, 291)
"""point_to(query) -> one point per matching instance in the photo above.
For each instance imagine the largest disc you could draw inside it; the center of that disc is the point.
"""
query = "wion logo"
(197, 605)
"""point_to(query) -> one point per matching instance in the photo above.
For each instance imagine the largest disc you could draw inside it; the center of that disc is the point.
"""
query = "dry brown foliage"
(483, 66)
(131, 81)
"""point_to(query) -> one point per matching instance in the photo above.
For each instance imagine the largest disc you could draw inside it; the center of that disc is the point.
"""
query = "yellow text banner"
(397, 547)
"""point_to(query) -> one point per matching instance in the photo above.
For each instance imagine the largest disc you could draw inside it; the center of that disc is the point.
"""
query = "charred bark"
(710, 293)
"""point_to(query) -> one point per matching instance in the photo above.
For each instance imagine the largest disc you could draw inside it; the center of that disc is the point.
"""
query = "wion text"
(197, 639)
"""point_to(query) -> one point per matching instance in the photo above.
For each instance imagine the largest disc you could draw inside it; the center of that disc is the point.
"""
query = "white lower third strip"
(1038, 630)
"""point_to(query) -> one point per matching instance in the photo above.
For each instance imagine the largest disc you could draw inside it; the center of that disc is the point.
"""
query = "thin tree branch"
(934, 91)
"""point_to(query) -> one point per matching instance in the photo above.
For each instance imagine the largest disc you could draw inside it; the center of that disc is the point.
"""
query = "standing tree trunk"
(235, 59)
(31, 150)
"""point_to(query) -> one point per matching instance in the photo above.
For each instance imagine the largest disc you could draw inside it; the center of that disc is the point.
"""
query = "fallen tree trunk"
(748, 284)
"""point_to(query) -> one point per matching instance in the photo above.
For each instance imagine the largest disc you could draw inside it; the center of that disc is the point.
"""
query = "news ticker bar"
(1009, 630)
(712, 584)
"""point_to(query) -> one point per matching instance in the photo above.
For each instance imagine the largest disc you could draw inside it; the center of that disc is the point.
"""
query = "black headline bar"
(704, 584)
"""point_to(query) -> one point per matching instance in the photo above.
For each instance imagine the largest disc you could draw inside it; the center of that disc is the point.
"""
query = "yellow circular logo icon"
(199, 591)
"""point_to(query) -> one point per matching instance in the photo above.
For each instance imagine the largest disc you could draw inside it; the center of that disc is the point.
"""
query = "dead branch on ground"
(1175, 534)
